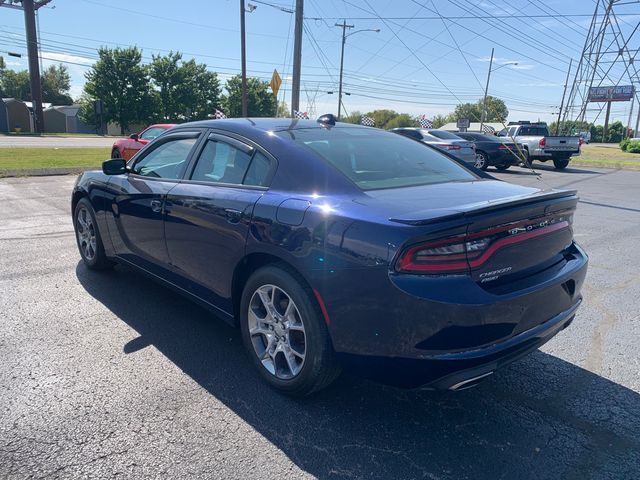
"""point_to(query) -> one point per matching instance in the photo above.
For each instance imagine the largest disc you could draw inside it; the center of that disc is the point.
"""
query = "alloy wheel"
(86, 232)
(277, 332)
(481, 161)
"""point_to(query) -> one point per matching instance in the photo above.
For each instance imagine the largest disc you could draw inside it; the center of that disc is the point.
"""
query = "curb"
(42, 172)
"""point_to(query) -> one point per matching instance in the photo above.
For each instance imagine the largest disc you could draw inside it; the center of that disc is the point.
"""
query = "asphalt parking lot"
(107, 374)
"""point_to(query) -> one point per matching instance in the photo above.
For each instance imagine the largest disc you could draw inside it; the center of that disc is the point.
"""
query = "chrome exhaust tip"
(469, 382)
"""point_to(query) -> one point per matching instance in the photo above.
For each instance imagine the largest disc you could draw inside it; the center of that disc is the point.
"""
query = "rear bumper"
(445, 330)
(455, 371)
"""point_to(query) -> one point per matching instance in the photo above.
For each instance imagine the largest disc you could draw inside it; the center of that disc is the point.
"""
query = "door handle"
(156, 205)
(233, 215)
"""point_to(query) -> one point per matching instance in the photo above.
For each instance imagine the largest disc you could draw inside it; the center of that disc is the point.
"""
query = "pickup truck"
(539, 145)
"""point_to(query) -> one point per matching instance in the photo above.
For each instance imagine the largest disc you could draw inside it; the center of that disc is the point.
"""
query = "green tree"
(16, 84)
(283, 110)
(260, 100)
(199, 92)
(497, 110)
(121, 81)
(354, 117)
(402, 120)
(56, 83)
(439, 120)
(167, 77)
(615, 133)
(382, 117)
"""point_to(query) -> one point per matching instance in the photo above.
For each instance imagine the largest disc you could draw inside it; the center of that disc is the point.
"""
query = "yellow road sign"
(276, 81)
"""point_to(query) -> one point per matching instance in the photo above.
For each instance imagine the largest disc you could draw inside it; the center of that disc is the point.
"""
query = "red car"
(128, 147)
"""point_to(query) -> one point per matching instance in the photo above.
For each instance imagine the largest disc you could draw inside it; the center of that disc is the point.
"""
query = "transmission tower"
(608, 59)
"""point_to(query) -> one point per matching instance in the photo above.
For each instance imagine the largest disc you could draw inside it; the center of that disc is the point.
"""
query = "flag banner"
(425, 122)
(367, 121)
(300, 115)
(220, 114)
(488, 129)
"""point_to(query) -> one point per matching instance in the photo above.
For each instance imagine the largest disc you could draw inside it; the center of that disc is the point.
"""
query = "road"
(13, 141)
(107, 374)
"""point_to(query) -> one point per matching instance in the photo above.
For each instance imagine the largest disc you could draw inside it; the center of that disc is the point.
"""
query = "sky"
(419, 63)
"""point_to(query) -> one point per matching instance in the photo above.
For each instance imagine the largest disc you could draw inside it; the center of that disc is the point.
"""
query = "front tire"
(285, 334)
(560, 163)
(88, 237)
(115, 153)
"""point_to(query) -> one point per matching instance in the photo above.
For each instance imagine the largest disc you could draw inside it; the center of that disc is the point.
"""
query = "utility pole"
(605, 131)
(486, 90)
(297, 57)
(29, 8)
(344, 39)
(566, 82)
(243, 55)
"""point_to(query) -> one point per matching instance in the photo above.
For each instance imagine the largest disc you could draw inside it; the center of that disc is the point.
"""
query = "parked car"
(128, 147)
(336, 246)
(539, 145)
(493, 151)
(447, 141)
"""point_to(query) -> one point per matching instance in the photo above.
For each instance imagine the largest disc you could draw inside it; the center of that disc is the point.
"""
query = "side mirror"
(115, 166)
(134, 136)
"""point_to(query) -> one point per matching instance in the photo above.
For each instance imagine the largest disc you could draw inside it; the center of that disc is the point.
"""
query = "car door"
(208, 215)
(136, 227)
(132, 146)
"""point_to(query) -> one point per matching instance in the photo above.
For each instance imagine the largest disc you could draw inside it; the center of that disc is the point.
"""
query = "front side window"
(151, 133)
(375, 159)
(167, 160)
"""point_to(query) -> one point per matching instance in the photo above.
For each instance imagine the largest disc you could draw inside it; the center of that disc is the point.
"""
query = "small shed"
(65, 119)
(18, 115)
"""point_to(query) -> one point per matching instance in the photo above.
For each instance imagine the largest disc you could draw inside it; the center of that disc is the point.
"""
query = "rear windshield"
(375, 159)
(444, 135)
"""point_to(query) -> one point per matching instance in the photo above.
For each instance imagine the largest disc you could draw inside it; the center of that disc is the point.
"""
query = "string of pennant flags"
(368, 121)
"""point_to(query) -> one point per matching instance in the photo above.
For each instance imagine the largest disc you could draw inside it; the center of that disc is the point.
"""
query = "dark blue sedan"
(339, 246)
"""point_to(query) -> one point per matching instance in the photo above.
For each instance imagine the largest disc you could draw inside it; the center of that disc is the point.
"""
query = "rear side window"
(374, 159)
(221, 162)
(258, 173)
(411, 134)
(443, 135)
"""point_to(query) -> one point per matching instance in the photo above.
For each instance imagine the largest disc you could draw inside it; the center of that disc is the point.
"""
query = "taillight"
(505, 147)
(443, 256)
(542, 142)
(461, 253)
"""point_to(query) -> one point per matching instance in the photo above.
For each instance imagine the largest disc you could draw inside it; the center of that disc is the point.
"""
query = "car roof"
(265, 124)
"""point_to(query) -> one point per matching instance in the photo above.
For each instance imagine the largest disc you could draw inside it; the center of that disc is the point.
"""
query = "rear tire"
(284, 332)
(88, 237)
(482, 161)
(560, 163)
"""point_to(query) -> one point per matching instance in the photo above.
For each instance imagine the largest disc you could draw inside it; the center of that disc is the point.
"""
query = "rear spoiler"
(436, 216)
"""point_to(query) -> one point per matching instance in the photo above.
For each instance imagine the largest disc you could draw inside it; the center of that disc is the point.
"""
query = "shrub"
(624, 144)
(634, 146)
